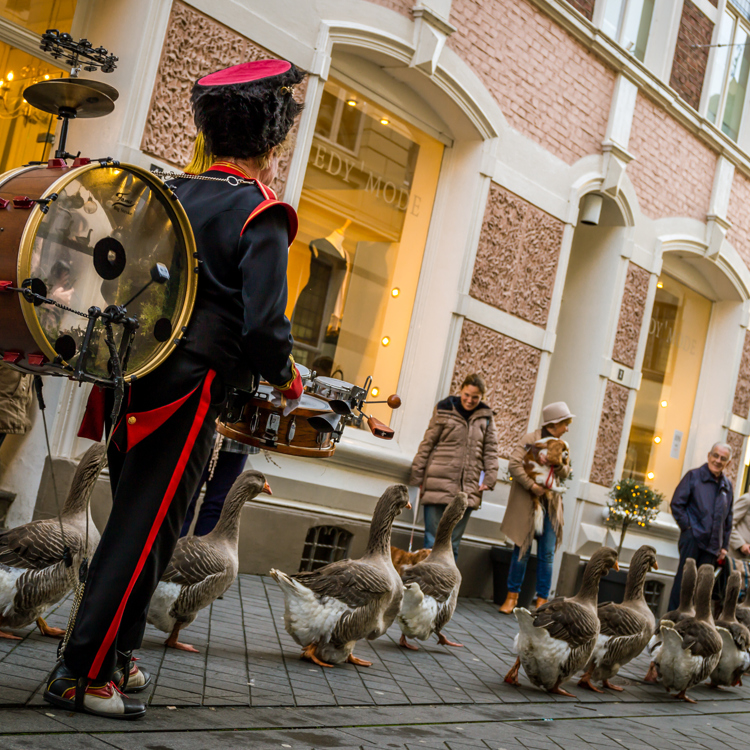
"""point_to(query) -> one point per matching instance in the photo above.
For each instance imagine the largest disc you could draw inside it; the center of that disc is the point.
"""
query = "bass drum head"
(98, 245)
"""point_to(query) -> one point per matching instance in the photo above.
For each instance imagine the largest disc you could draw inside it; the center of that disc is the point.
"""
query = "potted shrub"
(633, 503)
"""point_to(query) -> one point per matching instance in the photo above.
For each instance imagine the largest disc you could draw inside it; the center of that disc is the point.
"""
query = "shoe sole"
(69, 705)
(140, 689)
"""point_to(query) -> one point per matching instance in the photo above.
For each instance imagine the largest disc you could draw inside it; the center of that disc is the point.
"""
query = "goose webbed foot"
(309, 654)
(652, 675)
(172, 642)
(557, 690)
(50, 632)
(512, 677)
(682, 695)
(403, 642)
(715, 685)
(352, 659)
(443, 641)
(585, 681)
(10, 636)
(608, 684)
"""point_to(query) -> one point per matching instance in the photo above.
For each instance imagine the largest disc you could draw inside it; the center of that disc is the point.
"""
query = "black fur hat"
(246, 110)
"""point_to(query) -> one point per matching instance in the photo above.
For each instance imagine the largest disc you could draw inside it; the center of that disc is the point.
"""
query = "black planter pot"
(500, 557)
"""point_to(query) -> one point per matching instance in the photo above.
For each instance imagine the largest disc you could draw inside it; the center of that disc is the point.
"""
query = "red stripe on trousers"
(200, 415)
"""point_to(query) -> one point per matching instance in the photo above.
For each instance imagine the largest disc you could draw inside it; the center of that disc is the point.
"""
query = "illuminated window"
(671, 368)
(628, 22)
(727, 85)
(364, 213)
(39, 15)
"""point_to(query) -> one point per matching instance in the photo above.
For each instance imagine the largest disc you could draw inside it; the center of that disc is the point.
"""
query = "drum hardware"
(254, 421)
(292, 430)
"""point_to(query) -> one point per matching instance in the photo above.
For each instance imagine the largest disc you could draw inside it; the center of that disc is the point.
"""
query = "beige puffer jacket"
(15, 401)
(453, 453)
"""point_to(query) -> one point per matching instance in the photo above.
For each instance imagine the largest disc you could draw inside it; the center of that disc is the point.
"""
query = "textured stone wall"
(400, 6)
(584, 7)
(691, 54)
(516, 262)
(550, 87)
(674, 171)
(741, 405)
(509, 368)
(609, 435)
(737, 442)
(739, 214)
(631, 315)
(169, 131)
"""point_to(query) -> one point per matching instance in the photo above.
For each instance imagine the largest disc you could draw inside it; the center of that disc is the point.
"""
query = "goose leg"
(608, 684)
(585, 681)
(403, 642)
(652, 675)
(443, 641)
(172, 641)
(682, 695)
(557, 690)
(309, 654)
(50, 632)
(512, 677)
(352, 659)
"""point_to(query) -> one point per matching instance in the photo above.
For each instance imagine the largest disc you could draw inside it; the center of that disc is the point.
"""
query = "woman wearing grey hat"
(525, 497)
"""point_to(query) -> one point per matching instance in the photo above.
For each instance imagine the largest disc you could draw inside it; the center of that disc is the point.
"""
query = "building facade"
(553, 193)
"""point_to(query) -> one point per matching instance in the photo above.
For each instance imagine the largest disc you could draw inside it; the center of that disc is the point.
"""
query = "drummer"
(163, 436)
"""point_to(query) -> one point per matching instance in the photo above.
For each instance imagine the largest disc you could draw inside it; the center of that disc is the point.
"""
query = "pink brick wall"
(549, 86)
(739, 215)
(674, 171)
(400, 6)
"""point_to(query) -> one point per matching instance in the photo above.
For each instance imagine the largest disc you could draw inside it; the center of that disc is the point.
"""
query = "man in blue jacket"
(702, 508)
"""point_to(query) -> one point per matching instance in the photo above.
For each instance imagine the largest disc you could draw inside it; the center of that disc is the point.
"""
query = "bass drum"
(92, 235)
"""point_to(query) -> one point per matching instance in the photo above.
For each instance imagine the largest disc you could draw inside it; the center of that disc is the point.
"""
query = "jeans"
(688, 548)
(432, 516)
(545, 554)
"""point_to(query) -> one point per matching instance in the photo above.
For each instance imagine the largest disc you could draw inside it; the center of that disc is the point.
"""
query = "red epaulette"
(270, 200)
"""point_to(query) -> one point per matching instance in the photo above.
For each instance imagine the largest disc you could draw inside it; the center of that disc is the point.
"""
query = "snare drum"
(308, 431)
(332, 389)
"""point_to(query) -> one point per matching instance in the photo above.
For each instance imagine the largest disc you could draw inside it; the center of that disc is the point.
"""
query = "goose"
(431, 587)
(743, 609)
(33, 573)
(735, 657)
(328, 610)
(202, 568)
(558, 638)
(625, 628)
(691, 649)
(684, 610)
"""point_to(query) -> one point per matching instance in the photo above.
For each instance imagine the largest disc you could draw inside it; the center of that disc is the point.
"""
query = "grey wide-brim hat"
(554, 413)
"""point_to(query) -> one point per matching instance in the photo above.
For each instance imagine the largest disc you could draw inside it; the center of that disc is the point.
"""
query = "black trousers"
(154, 475)
(688, 548)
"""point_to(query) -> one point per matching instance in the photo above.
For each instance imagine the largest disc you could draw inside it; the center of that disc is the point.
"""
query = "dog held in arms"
(540, 462)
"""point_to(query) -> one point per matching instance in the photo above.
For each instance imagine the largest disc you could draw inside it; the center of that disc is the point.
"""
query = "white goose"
(328, 610)
(33, 573)
(431, 586)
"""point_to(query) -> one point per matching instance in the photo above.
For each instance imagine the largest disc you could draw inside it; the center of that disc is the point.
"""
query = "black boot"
(66, 690)
(128, 677)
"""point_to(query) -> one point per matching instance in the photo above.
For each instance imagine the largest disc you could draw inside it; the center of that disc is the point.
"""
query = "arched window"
(323, 545)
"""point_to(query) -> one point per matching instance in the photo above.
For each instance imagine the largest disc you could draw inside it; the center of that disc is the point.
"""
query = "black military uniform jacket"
(242, 233)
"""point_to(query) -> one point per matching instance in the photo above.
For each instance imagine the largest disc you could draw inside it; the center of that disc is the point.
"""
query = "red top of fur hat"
(246, 72)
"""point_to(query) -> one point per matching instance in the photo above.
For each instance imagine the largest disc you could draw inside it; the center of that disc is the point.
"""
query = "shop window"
(628, 22)
(323, 545)
(364, 211)
(26, 133)
(727, 85)
(670, 373)
(39, 15)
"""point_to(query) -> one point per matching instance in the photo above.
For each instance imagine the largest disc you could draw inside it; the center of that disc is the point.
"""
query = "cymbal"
(105, 88)
(60, 94)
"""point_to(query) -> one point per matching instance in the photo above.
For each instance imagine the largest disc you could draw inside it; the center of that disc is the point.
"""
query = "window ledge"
(373, 456)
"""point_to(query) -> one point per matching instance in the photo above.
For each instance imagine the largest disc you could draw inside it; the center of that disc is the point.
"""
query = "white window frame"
(627, 12)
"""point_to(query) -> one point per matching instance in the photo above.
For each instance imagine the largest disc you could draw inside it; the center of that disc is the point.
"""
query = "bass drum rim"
(26, 247)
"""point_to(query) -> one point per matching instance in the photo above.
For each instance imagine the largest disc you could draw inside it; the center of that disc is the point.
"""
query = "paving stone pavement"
(248, 688)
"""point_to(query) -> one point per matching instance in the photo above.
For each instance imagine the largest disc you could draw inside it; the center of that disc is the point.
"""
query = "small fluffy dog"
(557, 453)
(401, 557)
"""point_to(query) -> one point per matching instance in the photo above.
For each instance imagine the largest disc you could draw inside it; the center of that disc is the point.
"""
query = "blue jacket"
(702, 503)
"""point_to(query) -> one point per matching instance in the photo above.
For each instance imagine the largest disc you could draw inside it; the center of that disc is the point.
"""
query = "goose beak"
(266, 489)
(617, 565)
(408, 506)
(656, 565)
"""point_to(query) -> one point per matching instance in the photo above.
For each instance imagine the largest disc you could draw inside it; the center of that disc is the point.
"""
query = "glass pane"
(364, 212)
(718, 73)
(117, 207)
(26, 133)
(671, 368)
(612, 18)
(39, 15)
(637, 26)
(737, 84)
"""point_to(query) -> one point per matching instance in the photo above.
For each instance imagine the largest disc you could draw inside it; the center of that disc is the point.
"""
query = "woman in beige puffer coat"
(457, 454)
